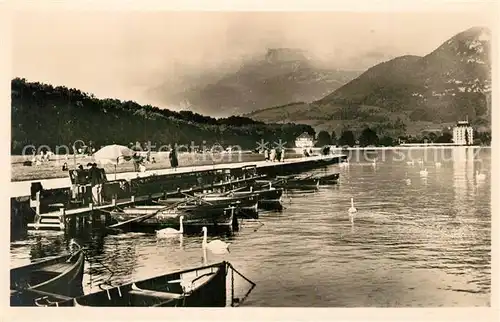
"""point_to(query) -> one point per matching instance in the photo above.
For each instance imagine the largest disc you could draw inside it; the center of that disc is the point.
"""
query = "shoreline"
(22, 188)
(402, 147)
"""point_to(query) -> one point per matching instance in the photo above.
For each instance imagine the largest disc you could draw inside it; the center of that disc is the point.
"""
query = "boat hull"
(52, 276)
(209, 290)
(203, 216)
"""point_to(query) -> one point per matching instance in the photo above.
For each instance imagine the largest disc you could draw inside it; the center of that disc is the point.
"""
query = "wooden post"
(37, 203)
(113, 201)
(62, 221)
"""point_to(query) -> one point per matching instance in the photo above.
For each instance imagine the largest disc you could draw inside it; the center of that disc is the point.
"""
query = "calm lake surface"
(425, 244)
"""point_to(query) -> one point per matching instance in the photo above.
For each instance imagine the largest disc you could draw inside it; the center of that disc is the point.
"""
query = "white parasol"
(113, 154)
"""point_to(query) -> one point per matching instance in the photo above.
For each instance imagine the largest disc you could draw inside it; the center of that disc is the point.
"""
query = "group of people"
(274, 155)
(92, 176)
(38, 159)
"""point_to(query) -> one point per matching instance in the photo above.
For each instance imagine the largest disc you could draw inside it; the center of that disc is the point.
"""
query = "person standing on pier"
(266, 154)
(282, 155)
(272, 155)
(174, 162)
(95, 181)
(278, 154)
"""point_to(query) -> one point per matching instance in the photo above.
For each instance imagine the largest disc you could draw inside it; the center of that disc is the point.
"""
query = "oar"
(144, 217)
(198, 198)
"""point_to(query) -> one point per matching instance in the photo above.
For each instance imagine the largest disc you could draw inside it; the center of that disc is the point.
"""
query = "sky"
(124, 53)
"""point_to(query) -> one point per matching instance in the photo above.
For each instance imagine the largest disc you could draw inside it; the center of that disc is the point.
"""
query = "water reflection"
(424, 244)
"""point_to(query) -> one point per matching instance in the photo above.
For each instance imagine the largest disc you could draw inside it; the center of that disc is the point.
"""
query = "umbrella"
(113, 154)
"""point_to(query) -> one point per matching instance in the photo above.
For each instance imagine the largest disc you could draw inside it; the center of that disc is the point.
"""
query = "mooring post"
(37, 203)
(62, 221)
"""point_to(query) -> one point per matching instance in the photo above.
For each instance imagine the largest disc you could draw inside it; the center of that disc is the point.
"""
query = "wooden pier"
(22, 188)
(58, 216)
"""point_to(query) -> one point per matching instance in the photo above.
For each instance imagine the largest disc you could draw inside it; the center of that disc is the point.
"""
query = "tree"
(333, 138)
(347, 138)
(368, 137)
(446, 137)
(386, 141)
(323, 139)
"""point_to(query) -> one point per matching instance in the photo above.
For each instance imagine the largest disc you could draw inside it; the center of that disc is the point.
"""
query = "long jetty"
(22, 188)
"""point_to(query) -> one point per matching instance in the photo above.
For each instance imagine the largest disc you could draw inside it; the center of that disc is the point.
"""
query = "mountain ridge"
(279, 76)
(450, 83)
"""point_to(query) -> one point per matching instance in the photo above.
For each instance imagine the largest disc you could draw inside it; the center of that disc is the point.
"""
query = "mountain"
(46, 115)
(280, 76)
(448, 84)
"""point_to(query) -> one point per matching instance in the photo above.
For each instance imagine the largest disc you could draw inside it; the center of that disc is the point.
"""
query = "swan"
(170, 232)
(216, 246)
(344, 163)
(374, 163)
(352, 210)
(424, 173)
(407, 180)
(480, 176)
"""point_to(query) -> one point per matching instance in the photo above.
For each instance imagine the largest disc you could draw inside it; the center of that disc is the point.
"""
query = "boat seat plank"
(56, 268)
(155, 294)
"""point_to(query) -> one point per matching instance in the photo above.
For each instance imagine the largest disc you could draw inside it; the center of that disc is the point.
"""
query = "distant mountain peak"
(286, 55)
(452, 81)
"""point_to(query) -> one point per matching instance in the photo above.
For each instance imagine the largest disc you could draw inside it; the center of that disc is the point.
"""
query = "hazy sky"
(121, 54)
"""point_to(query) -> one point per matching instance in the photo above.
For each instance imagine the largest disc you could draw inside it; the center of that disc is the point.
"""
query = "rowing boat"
(203, 215)
(197, 287)
(310, 181)
(57, 277)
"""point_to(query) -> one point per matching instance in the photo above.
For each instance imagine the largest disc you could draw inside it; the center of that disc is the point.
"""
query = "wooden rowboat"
(202, 216)
(308, 182)
(197, 287)
(57, 277)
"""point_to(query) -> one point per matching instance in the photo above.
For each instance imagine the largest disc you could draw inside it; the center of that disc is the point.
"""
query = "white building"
(304, 141)
(463, 133)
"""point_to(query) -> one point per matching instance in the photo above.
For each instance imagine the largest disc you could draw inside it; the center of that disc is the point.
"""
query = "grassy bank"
(53, 169)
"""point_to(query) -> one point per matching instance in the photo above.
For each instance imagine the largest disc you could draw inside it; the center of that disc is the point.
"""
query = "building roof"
(305, 135)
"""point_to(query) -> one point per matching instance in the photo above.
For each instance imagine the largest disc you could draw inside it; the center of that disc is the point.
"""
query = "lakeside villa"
(303, 141)
(463, 133)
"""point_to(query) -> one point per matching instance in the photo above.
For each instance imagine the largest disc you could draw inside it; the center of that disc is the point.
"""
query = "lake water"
(426, 244)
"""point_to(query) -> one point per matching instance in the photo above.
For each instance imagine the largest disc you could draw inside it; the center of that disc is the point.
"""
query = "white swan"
(374, 163)
(216, 246)
(424, 173)
(480, 176)
(170, 232)
(352, 210)
(407, 180)
(344, 163)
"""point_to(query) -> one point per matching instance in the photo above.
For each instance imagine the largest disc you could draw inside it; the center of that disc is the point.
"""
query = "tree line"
(49, 115)
(369, 137)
